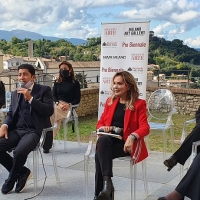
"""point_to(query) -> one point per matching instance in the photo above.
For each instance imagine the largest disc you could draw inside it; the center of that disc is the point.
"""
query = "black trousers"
(183, 153)
(190, 184)
(24, 142)
(107, 149)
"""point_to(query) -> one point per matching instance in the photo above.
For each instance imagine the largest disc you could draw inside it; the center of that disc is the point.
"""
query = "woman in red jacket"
(127, 112)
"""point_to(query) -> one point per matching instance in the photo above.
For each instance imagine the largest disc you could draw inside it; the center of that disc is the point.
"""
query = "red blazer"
(134, 122)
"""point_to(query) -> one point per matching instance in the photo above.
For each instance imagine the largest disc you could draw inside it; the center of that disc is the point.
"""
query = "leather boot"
(171, 162)
(108, 191)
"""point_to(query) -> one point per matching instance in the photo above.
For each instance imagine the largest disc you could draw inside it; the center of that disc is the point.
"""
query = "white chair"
(89, 157)
(160, 109)
(183, 136)
(71, 117)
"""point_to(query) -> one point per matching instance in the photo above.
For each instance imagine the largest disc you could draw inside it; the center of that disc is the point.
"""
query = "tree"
(82, 79)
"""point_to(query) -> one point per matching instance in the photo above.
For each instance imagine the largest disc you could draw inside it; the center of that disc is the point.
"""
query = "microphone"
(20, 84)
(115, 129)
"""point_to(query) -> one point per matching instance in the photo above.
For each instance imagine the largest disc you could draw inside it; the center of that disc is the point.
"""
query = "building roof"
(89, 64)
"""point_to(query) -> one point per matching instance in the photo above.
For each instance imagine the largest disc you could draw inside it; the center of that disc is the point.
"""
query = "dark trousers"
(24, 142)
(183, 153)
(107, 149)
(48, 140)
(190, 184)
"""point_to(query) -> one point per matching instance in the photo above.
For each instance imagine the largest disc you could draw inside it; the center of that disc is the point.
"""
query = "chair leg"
(144, 173)
(86, 159)
(164, 145)
(77, 130)
(172, 138)
(133, 170)
(35, 169)
(54, 159)
(65, 126)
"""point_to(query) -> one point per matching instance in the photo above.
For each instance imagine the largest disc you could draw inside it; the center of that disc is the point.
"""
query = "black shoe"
(162, 198)
(170, 163)
(108, 191)
(45, 150)
(22, 179)
(95, 198)
(8, 186)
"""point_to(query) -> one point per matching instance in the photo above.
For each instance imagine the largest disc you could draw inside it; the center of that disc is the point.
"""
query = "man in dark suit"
(184, 151)
(29, 113)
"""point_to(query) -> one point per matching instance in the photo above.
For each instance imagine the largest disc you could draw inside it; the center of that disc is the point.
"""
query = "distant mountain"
(198, 49)
(7, 35)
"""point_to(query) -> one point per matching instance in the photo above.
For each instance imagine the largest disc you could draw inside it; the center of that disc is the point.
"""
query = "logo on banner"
(134, 31)
(134, 44)
(106, 80)
(139, 84)
(114, 57)
(106, 92)
(110, 32)
(110, 69)
(102, 104)
(137, 57)
(109, 44)
(138, 70)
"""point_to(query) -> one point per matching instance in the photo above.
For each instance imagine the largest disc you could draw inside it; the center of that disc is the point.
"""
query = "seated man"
(29, 112)
(183, 153)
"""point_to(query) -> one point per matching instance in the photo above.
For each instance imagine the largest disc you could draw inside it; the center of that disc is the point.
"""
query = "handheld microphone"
(19, 85)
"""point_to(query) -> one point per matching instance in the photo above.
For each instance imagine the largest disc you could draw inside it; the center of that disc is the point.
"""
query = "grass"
(88, 124)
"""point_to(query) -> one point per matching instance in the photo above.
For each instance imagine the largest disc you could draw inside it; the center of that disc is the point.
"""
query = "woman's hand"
(128, 146)
(64, 106)
(107, 129)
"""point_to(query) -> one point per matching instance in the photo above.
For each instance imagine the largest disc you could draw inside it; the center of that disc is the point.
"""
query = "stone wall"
(89, 102)
(187, 100)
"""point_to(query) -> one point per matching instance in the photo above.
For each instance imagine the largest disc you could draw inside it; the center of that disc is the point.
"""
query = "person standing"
(29, 113)
(2, 94)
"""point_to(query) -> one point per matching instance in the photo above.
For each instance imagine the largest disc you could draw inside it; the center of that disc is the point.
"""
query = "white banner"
(124, 47)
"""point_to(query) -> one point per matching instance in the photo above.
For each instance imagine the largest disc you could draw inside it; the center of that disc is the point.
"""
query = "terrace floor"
(72, 184)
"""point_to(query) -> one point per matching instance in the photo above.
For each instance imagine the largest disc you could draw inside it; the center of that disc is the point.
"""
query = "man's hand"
(64, 106)
(4, 131)
(128, 146)
(25, 92)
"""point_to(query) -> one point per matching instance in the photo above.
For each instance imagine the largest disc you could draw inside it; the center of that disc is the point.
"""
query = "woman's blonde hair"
(132, 93)
(60, 78)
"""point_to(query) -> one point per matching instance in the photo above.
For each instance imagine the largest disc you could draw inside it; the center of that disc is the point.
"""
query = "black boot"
(108, 191)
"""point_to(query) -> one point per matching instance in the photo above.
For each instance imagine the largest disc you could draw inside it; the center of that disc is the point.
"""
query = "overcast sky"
(171, 19)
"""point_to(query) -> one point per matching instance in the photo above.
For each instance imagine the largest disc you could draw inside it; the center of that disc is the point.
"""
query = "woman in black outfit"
(66, 92)
(189, 186)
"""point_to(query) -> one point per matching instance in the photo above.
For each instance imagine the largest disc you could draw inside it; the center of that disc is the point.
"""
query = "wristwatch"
(133, 137)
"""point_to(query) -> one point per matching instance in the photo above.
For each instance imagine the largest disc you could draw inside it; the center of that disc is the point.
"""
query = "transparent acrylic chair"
(183, 136)
(89, 157)
(73, 118)
(160, 109)
(36, 153)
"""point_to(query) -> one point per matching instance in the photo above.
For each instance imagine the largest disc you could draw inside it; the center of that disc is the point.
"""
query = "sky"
(169, 19)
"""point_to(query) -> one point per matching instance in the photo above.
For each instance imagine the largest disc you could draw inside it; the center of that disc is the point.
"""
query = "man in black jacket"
(29, 113)
(184, 151)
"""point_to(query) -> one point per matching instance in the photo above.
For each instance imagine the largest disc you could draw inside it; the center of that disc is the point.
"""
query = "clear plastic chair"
(89, 157)
(36, 153)
(160, 109)
(183, 136)
(73, 117)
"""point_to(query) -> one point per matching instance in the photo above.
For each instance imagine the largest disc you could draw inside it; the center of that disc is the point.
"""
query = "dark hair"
(60, 78)
(29, 67)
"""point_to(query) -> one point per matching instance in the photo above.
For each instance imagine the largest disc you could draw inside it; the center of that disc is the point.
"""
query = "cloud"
(193, 42)
(77, 18)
